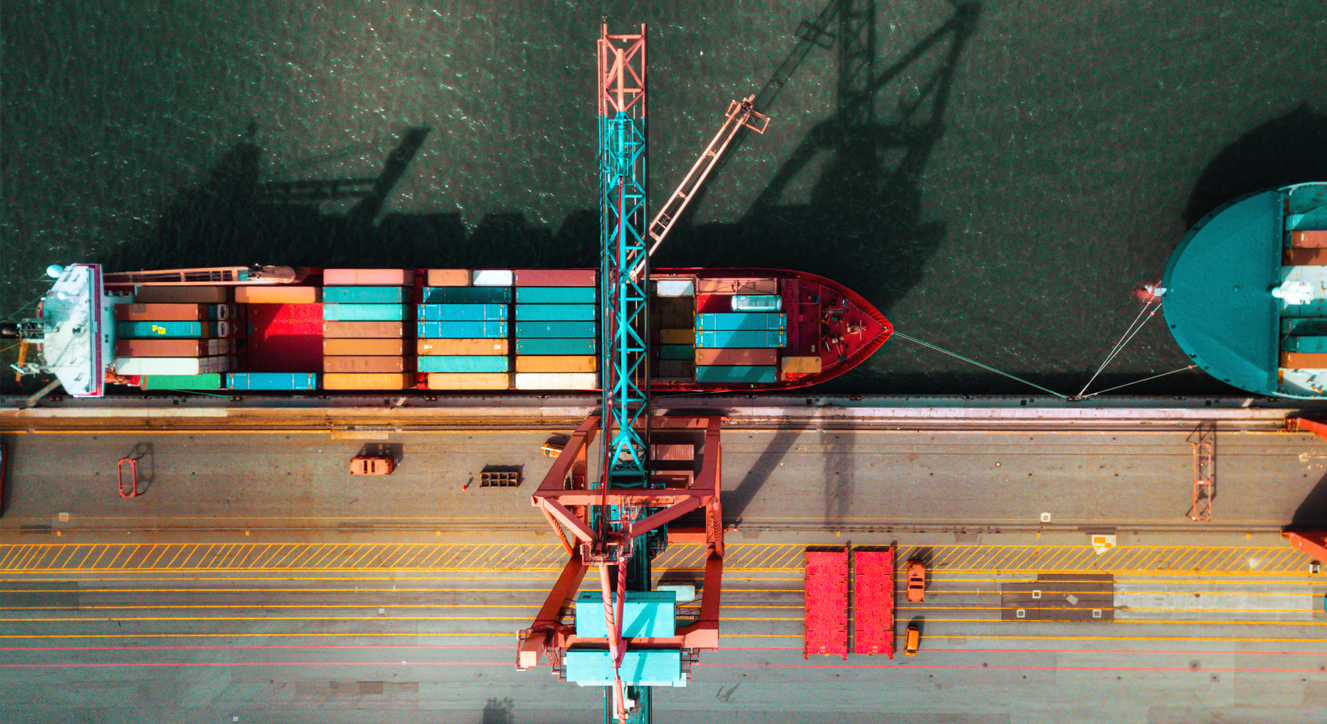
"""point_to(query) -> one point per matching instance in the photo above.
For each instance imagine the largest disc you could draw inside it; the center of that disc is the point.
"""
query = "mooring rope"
(1145, 379)
(1134, 328)
(975, 362)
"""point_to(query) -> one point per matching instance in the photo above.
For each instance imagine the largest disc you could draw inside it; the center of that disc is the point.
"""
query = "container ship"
(282, 329)
(1245, 292)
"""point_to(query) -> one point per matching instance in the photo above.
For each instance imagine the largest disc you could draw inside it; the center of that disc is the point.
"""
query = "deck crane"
(618, 520)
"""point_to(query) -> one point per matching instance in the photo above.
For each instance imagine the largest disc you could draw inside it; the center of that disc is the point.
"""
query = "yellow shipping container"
(463, 347)
(557, 363)
(281, 294)
(469, 381)
(677, 336)
(801, 365)
(366, 381)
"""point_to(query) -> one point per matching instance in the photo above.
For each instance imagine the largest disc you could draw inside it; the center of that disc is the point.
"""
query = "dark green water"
(996, 177)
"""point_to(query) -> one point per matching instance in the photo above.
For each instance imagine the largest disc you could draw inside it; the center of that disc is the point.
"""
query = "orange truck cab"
(913, 641)
(916, 581)
(370, 465)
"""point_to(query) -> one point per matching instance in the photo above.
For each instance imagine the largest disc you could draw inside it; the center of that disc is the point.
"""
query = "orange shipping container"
(557, 363)
(368, 277)
(449, 277)
(1304, 360)
(361, 381)
(280, 294)
(809, 365)
(1305, 257)
(463, 347)
(182, 295)
(368, 364)
(1309, 239)
(367, 347)
(363, 330)
(736, 357)
(678, 336)
(168, 312)
(737, 285)
(469, 381)
(163, 347)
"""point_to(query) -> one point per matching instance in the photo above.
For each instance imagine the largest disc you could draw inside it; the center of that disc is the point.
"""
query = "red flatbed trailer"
(826, 597)
(873, 602)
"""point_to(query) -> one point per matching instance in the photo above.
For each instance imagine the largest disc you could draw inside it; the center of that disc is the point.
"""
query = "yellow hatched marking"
(313, 563)
(293, 548)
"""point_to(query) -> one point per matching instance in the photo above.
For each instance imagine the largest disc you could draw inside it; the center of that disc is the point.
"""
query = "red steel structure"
(1312, 542)
(826, 599)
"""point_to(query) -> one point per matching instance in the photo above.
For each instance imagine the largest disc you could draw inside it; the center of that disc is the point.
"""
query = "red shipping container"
(368, 277)
(1305, 257)
(556, 277)
(163, 347)
(873, 602)
(182, 295)
(737, 285)
(825, 619)
(739, 357)
(1309, 239)
(163, 312)
(386, 347)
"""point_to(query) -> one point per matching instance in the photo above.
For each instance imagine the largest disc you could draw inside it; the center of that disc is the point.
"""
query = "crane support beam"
(1314, 543)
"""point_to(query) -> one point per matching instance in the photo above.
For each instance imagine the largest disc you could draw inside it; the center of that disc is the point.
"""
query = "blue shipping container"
(556, 295)
(365, 295)
(168, 330)
(752, 375)
(750, 321)
(539, 345)
(272, 381)
(363, 312)
(741, 339)
(557, 312)
(461, 330)
(468, 363)
(462, 312)
(1304, 344)
(554, 329)
(467, 295)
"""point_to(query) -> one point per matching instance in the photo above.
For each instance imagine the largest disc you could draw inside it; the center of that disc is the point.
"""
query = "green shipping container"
(557, 312)
(736, 375)
(1304, 344)
(181, 382)
(541, 346)
(363, 312)
(554, 329)
(468, 363)
(365, 295)
(467, 295)
(556, 295)
(677, 351)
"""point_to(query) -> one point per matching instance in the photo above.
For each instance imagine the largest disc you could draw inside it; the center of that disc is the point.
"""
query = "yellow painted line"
(178, 551)
(293, 548)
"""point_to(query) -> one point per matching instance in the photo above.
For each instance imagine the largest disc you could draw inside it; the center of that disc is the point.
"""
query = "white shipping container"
(676, 288)
(493, 277)
(556, 380)
(171, 365)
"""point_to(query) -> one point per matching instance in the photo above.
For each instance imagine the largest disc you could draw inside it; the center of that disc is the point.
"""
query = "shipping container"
(491, 278)
(182, 295)
(367, 381)
(129, 366)
(1305, 257)
(1317, 344)
(807, 365)
(556, 277)
(676, 351)
(736, 375)
(550, 346)
(278, 294)
(555, 329)
(467, 363)
(166, 347)
(181, 382)
(484, 381)
(462, 312)
(363, 330)
(467, 295)
(557, 312)
(272, 381)
(448, 277)
(737, 285)
(368, 347)
(556, 381)
(367, 364)
(463, 346)
(1299, 360)
(747, 321)
(1309, 239)
(677, 336)
(757, 303)
(741, 338)
(676, 369)
(365, 295)
(675, 288)
(368, 277)
(461, 330)
(556, 295)
(177, 330)
(737, 356)
(364, 312)
(171, 312)
(557, 363)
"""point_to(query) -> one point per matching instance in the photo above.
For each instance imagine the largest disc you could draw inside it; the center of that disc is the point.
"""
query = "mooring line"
(983, 366)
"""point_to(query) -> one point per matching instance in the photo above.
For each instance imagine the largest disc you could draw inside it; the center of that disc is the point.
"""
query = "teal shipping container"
(735, 375)
(462, 312)
(467, 295)
(181, 382)
(554, 329)
(557, 312)
(549, 346)
(272, 381)
(468, 363)
(1308, 327)
(757, 303)
(747, 321)
(167, 330)
(1304, 344)
(461, 330)
(556, 295)
(745, 339)
(365, 295)
(363, 312)
(676, 351)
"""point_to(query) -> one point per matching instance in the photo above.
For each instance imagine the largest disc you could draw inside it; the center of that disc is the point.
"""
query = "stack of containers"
(556, 330)
(739, 347)
(463, 329)
(364, 314)
(673, 308)
(178, 338)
